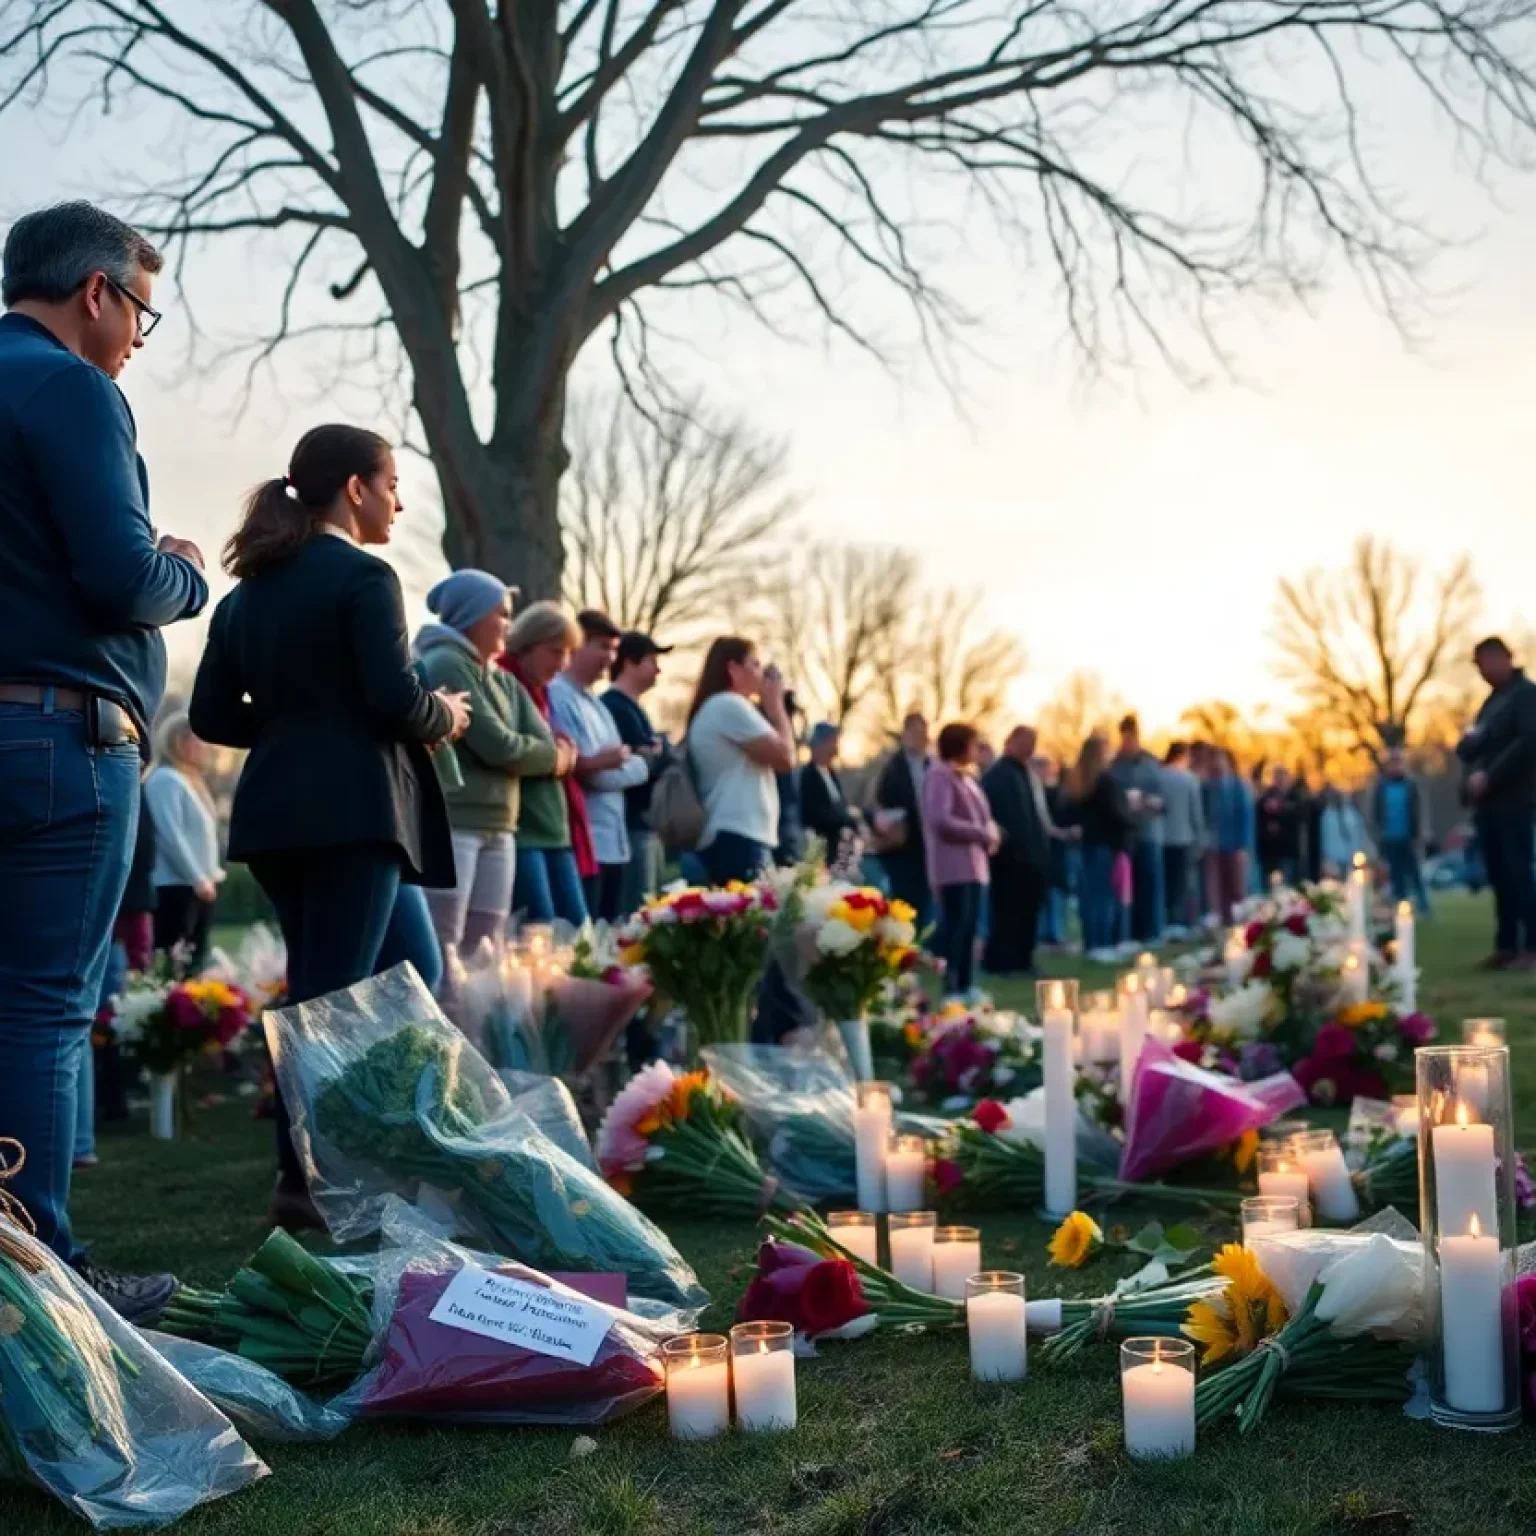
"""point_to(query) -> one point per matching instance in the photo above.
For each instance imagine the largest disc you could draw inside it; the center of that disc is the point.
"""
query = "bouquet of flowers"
(1349, 1334)
(388, 1098)
(705, 951)
(973, 1052)
(807, 1279)
(166, 1024)
(677, 1140)
(88, 1411)
(1365, 1050)
(1152, 1303)
(991, 1162)
(258, 967)
(899, 1020)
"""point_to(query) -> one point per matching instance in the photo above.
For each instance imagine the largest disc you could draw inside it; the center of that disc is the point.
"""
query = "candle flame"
(1058, 995)
(1133, 983)
(1351, 962)
(1474, 1227)
(1463, 1116)
(1359, 861)
(1146, 957)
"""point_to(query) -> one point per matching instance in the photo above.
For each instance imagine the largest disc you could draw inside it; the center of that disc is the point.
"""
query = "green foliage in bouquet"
(300, 1317)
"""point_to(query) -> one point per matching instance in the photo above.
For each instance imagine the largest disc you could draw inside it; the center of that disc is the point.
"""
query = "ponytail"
(280, 515)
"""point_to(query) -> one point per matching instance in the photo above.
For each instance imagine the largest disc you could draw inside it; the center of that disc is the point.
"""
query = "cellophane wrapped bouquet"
(970, 1052)
(387, 1097)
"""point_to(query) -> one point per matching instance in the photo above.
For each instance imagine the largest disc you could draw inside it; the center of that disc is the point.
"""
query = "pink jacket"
(956, 819)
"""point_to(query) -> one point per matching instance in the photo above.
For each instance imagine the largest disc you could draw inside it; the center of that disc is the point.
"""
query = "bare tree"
(668, 521)
(464, 194)
(1081, 706)
(1370, 648)
(837, 618)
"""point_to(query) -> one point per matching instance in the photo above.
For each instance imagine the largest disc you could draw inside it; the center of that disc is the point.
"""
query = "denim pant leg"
(411, 936)
(85, 1103)
(532, 900)
(68, 817)
(565, 886)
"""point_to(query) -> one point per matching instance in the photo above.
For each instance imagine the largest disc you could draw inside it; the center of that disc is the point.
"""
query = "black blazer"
(1026, 842)
(820, 812)
(308, 665)
(896, 792)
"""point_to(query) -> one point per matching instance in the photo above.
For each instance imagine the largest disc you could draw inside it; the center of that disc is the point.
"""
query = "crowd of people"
(405, 796)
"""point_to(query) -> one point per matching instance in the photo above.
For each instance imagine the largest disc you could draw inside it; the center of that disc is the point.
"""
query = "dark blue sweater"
(83, 591)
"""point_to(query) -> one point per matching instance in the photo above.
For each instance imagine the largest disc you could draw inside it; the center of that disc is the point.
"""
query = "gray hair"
(540, 623)
(170, 732)
(50, 253)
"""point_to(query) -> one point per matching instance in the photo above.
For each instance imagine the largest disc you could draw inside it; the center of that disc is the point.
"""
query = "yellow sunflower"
(1078, 1237)
(1248, 1311)
(1244, 1150)
(1362, 1013)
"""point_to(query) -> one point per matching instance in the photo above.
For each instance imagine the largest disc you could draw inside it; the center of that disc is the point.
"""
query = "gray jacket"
(1145, 773)
(1183, 810)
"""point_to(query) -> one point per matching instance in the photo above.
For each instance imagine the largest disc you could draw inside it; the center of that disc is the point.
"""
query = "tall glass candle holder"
(698, 1385)
(1282, 1177)
(911, 1234)
(1056, 1002)
(1467, 1216)
(906, 1172)
(1135, 1008)
(858, 1232)
(1099, 1028)
(1157, 1389)
(994, 1316)
(956, 1257)
(763, 1375)
(1265, 1215)
(1482, 1032)
(872, 1117)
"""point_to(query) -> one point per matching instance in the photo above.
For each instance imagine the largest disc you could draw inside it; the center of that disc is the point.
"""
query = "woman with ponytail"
(308, 666)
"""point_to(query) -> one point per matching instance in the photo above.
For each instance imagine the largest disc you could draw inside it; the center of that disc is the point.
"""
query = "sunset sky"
(1133, 528)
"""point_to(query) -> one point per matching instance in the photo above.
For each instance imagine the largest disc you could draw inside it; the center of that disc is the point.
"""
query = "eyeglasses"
(149, 318)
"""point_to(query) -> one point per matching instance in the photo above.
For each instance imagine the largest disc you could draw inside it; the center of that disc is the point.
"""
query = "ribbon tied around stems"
(13, 1158)
(1103, 1315)
(767, 1194)
(1273, 1344)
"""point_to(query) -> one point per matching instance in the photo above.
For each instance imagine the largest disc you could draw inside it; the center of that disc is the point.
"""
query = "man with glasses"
(85, 587)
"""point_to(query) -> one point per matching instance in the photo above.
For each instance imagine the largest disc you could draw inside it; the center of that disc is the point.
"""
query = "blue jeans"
(1406, 874)
(411, 936)
(733, 857)
(1053, 917)
(960, 906)
(85, 1107)
(642, 872)
(68, 816)
(548, 886)
(1097, 901)
(1148, 905)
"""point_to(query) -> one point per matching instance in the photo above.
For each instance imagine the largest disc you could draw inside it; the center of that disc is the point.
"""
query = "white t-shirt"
(739, 795)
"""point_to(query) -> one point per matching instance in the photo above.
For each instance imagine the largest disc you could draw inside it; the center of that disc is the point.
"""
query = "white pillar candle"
(1332, 1189)
(1359, 899)
(1101, 1038)
(1159, 1401)
(1472, 1321)
(764, 1380)
(871, 1133)
(1060, 1110)
(912, 1253)
(955, 1260)
(1356, 974)
(1134, 1017)
(1404, 960)
(1285, 1182)
(906, 1166)
(699, 1398)
(999, 1351)
(856, 1231)
(1466, 1181)
(1235, 958)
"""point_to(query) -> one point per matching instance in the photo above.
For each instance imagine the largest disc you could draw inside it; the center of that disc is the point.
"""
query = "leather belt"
(66, 698)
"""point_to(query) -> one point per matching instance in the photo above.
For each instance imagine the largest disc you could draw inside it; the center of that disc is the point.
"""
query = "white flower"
(893, 931)
(1240, 965)
(662, 917)
(837, 938)
(1290, 953)
(1386, 1051)
(820, 900)
(1243, 1012)
(722, 901)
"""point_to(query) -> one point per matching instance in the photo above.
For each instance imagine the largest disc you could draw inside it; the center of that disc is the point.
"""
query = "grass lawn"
(893, 1437)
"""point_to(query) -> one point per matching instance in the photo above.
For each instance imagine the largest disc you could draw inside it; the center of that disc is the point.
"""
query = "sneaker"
(135, 1298)
(1500, 960)
(1102, 956)
(294, 1211)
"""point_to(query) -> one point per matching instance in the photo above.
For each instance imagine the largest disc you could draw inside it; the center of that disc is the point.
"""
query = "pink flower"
(1334, 1043)
(1416, 1029)
(1189, 1050)
(947, 1175)
(620, 1147)
(182, 1010)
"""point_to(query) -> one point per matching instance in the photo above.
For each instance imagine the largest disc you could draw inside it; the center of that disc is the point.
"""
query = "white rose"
(1241, 966)
(663, 917)
(837, 938)
(1290, 952)
(1242, 1013)
(893, 931)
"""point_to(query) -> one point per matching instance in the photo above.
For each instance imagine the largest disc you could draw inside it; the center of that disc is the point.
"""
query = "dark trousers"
(960, 910)
(907, 874)
(68, 816)
(334, 906)
(605, 892)
(1148, 918)
(182, 917)
(1406, 873)
(1016, 894)
(1176, 886)
(1509, 847)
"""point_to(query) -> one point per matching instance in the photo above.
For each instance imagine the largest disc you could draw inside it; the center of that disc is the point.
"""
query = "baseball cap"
(822, 731)
(636, 646)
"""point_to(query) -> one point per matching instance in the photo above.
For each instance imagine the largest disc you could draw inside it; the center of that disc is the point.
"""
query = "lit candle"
(858, 1232)
(1482, 1032)
(1157, 1384)
(1355, 975)
(1332, 1189)
(995, 1319)
(906, 1165)
(1264, 1215)
(1148, 974)
(1100, 1026)
(1283, 1180)
(1134, 1019)
(763, 1375)
(1472, 1320)
(698, 1386)
(1060, 1100)
(911, 1235)
(1403, 959)
(1359, 899)
(871, 1132)
(1235, 956)
(1405, 1113)
(1466, 1182)
(956, 1257)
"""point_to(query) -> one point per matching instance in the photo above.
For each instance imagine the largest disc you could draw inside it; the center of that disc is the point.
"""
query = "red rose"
(1263, 964)
(947, 1176)
(1254, 933)
(909, 960)
(990, 1116)
(1188, 1050)
(1334, 1043)
(231, 1022)
(1297, 923)
(831, 1296)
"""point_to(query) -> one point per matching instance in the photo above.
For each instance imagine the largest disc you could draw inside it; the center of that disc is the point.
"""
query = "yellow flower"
(1075, 1239)
(860, 919)
(1248, 1311)
(913, 1033)
(683, 1090)
(1244, 1150)
(903, 913)
(1362, 1013)
(632, 954)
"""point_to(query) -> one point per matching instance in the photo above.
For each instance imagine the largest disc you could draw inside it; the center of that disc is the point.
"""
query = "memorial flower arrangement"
(1152, 1303)
(971, 1053)
(989, 1161)
(856, 940)
(704, 949)
(808, 1280)
(165, 1025)
(678, 1140)
(1365, 1050)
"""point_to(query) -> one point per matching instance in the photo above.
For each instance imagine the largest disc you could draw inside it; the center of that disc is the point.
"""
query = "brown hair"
(955, 740)
(281, 514)
(715, 678)
(540, 623)
(1086, 772)
(596, 625)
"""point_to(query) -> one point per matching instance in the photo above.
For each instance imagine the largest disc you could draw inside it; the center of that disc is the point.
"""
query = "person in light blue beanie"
(507, 740)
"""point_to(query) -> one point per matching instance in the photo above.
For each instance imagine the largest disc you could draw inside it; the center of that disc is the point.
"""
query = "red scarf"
(575, 801)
